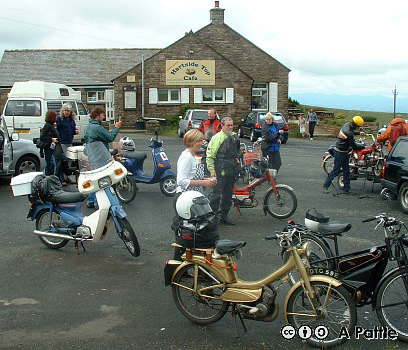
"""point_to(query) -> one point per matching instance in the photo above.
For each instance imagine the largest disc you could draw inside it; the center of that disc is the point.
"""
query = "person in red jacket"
(211, 126)
(386, 135)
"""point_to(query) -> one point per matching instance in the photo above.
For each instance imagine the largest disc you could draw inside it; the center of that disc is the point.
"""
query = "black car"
(395, 173)
(251, 125)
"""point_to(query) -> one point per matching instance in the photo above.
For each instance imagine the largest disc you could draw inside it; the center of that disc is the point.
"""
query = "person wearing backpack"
(397, 128)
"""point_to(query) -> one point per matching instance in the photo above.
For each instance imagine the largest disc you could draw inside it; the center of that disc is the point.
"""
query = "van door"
(24, 116)
(6, 151)
(82, 120)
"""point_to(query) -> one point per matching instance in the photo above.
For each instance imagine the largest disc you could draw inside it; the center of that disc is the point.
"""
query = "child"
(302, 125)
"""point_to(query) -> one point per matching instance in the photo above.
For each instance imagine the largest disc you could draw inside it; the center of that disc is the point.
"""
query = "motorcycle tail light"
(104, 182)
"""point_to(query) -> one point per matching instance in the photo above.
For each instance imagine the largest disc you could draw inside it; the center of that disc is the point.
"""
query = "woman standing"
(271, 140)
(67, 130)
(313, 121)
(50, 136)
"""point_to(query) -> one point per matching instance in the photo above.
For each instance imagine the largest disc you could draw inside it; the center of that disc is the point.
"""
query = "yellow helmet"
(358, 121)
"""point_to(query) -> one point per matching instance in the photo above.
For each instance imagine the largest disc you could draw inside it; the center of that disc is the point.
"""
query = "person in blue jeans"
(97, 140)
(345, 140)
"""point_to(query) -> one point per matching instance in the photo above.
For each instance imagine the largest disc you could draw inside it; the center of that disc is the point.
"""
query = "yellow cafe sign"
(190, 72)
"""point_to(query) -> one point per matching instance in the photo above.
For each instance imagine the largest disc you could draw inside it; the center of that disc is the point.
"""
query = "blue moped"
(133, 161)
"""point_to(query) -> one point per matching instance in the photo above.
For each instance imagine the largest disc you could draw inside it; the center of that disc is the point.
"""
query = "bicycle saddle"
(226, 246)
(333, 228)
(63, 197)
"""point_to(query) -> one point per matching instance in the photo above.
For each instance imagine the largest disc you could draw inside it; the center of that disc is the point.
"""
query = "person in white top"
(190, 173)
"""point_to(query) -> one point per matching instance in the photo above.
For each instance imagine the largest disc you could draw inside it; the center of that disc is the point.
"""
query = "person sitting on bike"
(345, 140)
(271, 140)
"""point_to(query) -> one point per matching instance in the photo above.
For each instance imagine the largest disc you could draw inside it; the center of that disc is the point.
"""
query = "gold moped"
(205, 284)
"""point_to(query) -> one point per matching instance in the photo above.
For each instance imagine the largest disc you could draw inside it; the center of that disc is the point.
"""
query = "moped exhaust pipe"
(60, 236)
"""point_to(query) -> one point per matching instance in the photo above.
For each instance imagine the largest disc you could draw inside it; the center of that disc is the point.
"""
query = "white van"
(29, 101)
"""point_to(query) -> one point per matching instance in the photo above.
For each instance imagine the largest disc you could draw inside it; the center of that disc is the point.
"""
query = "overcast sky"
(344, 47)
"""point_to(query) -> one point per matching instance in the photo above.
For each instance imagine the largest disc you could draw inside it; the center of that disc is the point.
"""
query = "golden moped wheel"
(336, 311)
(198, 305)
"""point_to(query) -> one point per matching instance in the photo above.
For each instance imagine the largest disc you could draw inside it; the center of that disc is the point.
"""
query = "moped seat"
(225, 246)
(135, 155)
(333, 228)
(63, 197)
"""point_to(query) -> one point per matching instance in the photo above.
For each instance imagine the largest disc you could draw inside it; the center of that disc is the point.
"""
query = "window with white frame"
(213, 95)
(260, 96)
(96, 96)
(168, 95)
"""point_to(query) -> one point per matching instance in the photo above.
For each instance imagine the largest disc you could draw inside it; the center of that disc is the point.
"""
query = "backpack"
(397, 130)
(42, 187)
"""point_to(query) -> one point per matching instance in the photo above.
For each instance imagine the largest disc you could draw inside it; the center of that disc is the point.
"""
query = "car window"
(200, 115)
(23, 108)
(261, 117)
(399, 154)
(277, 118)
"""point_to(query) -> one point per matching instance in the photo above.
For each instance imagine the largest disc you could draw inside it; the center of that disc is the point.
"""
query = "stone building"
(215, 67)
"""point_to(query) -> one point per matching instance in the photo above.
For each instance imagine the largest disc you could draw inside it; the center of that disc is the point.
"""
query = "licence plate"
(325, 272)
(22, 131)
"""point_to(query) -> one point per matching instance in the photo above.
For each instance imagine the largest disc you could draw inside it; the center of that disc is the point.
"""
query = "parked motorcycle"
(363, 163)
(363, 273)
(248, 154)
(206, 283)
(134, 161)
(58, 217)
(279, 200)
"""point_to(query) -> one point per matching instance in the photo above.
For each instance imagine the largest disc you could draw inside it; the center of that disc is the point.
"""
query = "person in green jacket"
(223, 163)
(97, 140)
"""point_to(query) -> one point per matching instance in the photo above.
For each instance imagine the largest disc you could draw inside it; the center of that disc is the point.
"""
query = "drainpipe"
(143, 88)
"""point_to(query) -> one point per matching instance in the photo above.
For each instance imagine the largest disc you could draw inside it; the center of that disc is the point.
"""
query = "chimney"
(217, 14)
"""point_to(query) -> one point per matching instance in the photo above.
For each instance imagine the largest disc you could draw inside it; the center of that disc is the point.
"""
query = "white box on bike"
(76, 153)
(21, 184)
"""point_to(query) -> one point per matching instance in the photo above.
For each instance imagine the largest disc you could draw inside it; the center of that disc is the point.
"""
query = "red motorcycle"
(365, 163)
(279, 200)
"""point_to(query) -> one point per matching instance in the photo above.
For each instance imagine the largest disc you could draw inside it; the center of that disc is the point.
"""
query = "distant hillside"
(373, 103)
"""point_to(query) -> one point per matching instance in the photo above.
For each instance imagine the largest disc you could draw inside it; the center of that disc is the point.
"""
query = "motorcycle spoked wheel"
(282, 204)
(128, 237)
(378, 168)
(339, 311)
(126, 189)
(328, 164)
(198, 308)
(319, 251)
(340, 181)
(44, 222)
(168, 186)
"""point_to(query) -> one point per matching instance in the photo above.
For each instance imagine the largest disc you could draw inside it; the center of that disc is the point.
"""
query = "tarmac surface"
(106, 299)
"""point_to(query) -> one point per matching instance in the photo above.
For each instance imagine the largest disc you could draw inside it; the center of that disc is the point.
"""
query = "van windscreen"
(25, 108)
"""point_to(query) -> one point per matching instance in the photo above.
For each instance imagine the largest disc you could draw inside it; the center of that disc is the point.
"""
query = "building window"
(213, 95)
(96, 96)
(260, 96)
(168, 95)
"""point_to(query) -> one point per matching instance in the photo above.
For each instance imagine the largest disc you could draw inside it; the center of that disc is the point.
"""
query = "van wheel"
(27, 164)
(403, 197)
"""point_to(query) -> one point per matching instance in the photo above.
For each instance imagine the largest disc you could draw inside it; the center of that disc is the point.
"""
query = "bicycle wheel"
(282, 204)
(126, 189)
(129, 237)
(198, 305)
(391, 301)
(319, 251)
(335, 310)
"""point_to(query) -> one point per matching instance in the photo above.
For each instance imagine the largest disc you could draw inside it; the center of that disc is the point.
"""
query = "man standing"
(223, 163)
(313, 121)
(211, 126)
(345, 140)
(97, 140)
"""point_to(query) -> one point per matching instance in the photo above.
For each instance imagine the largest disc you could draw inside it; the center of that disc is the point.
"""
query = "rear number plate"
(324, 271)
(22, 131)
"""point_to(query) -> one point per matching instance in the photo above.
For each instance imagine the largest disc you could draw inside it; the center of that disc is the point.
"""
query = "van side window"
(81, 109)
(25, 108)
(54, 106)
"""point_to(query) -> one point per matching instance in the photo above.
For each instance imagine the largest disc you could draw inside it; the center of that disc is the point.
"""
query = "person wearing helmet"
(195, 225)
(345, 140)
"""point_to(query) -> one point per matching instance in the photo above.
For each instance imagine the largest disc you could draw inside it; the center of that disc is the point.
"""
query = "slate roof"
(69, 67)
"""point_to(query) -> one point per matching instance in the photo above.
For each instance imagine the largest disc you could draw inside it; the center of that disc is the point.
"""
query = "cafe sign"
(190, 72)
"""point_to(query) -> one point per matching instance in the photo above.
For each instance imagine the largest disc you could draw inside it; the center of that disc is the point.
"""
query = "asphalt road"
(106, 299)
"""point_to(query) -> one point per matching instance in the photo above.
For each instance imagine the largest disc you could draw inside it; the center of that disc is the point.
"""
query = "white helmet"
(127, 144)
(192, 204)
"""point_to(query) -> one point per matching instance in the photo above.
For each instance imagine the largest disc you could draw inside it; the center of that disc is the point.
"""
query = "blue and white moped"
(58, 217)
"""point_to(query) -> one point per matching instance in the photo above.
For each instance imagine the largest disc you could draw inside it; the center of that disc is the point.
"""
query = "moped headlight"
(307, 249)
(104, 182)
